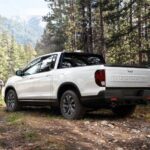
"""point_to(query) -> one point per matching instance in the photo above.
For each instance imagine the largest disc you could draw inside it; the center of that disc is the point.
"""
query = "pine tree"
(117, 29)
(12, 55)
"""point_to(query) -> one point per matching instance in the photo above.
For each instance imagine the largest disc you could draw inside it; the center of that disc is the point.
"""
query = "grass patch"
(54, 116)
(14, 118)
(3, 144)
(30, 135)
(2, 129)
(143, 112)
(2, 103)
(55, 144)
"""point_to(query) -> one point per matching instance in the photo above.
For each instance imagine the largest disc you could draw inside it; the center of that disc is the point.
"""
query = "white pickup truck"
(76, 82)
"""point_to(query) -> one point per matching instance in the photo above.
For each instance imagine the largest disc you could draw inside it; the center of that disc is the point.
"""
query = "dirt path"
(39, 129)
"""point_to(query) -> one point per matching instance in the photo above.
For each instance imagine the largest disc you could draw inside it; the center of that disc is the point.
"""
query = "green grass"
(54, 143)
(2, 103)
(30, 135)
(14, 118)
(143, 112)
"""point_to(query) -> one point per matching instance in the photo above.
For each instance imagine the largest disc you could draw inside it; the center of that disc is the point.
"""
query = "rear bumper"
(121, 96)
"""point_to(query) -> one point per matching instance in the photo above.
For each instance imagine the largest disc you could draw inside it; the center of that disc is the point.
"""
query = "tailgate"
(127, 77)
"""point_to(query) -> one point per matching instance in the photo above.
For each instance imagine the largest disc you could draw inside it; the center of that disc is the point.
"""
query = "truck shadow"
(47, 112)
(102, 116)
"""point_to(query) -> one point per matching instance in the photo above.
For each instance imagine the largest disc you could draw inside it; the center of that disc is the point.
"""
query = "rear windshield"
(70, 60)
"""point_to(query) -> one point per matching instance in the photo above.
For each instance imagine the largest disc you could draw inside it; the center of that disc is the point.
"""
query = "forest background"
(117, 29)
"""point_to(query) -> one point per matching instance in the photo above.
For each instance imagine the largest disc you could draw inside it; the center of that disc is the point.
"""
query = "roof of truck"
(78, 52)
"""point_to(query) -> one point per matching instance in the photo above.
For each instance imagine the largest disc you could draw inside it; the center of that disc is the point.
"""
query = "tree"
(12, 55)
(117, 29)
(54, 36)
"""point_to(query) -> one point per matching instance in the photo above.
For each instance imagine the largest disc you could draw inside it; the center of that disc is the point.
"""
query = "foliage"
(14, 118)
(1, 101)
(54, 36)
(12, 55)
(118, 29)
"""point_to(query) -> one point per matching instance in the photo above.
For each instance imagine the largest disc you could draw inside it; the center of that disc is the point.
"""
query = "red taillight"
(148, 97)
(113, 99)
(100, 77)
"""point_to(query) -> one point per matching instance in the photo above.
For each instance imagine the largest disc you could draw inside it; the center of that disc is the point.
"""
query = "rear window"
(70, 60)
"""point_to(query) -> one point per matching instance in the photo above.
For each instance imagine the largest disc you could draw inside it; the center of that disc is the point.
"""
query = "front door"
(36, 84)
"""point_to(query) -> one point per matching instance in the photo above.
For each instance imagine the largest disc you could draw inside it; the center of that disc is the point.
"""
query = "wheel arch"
(67, 86)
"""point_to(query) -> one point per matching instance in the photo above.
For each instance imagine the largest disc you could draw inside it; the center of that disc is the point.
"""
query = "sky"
(23, 8)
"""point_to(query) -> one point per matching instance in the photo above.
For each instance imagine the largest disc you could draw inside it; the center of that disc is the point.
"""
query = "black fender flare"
(67, 85)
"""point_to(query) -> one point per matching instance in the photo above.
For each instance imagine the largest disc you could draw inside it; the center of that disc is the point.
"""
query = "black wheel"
(70, 106)
(124, 111)
(12, 101)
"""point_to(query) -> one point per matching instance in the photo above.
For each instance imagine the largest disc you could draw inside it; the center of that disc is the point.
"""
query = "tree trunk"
(102, 40)
(83, 40)
(90, 33)
(131, 26)
(139, 26)
(146, 27)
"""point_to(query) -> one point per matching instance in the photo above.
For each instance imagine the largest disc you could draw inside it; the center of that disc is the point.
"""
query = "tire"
(12, 101)
(70, 106)
(124, 111)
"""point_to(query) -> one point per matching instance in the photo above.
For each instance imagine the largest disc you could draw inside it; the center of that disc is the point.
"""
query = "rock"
(111, 126)
(144, 146)
(148, 136)
(135, 131)
(86, 122)
(102, 141)
(79, 148)
(30, 144)
(115, 141)
(119, 148)
(96, 124)
(145, 129)
(104, 122)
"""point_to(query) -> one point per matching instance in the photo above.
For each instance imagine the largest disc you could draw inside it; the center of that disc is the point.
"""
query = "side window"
(48, 64)
(32, 70)
(33, 63)
(67, 63)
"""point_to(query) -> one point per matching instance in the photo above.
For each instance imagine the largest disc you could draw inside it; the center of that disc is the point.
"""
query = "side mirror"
(19, 73)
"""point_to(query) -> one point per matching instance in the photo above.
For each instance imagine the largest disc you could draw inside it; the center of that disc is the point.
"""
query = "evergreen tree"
(12, 55)
(117, 29)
